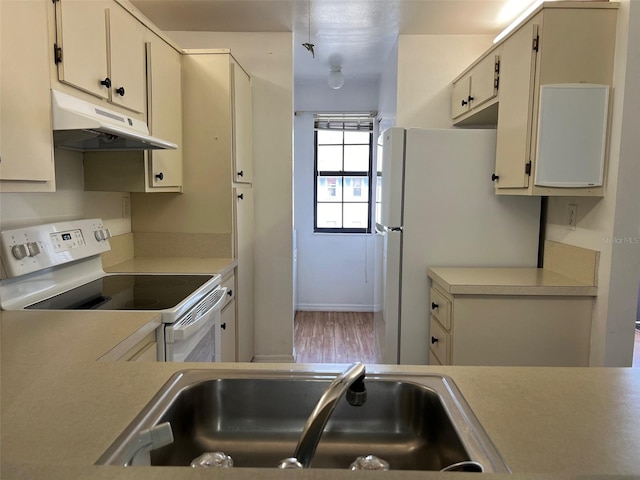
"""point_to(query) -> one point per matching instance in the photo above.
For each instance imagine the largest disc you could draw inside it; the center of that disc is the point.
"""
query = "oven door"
(195, 337)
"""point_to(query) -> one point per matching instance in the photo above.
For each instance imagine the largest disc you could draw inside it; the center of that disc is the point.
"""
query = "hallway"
(334, 337)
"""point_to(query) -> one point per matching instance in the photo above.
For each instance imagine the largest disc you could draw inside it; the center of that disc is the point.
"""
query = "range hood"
(82, 126)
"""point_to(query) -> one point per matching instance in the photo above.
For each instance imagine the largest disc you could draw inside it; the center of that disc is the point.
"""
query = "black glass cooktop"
(126, 292)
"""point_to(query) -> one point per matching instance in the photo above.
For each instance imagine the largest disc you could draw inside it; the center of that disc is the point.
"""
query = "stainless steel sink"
(414, 422)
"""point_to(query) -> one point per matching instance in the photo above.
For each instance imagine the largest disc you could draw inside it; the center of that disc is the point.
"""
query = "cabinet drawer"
(439, 341)
(440, 308)
(230, 283)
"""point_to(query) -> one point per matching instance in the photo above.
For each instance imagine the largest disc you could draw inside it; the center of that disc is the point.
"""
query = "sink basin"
(414, 422)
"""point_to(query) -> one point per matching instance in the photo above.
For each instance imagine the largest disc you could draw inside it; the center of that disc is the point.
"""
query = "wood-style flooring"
(335, 337)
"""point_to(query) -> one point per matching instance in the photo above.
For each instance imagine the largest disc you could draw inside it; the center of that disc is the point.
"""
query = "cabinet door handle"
(241, 173)
(434, 306)
(241, 196)
(106, 82)
(230, 293)
(494, 177)
(470, 98)
(160, 176)
(223, 326)
(463, 103)
(120, 91)
(434, 340)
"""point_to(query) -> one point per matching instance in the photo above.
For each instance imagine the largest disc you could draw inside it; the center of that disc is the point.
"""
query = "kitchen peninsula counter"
(61, 408)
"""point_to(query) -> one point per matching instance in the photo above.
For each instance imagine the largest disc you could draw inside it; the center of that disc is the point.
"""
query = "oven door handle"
(186, 327)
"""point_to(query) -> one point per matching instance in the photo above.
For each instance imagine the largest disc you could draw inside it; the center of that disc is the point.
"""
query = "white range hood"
(83, 126)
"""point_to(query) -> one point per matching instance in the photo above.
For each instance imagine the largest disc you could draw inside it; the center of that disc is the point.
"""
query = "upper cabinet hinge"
(497, 66)
(57, 53)
(496, 83)
(536, 41)
(527, 168)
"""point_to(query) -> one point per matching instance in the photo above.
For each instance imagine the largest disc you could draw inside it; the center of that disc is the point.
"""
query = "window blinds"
(343, 121)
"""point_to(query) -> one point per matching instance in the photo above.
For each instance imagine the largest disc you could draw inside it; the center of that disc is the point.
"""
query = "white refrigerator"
(436, 206)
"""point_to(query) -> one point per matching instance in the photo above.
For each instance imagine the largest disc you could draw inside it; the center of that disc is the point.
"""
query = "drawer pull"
(223, 326)
(434, 340)
(434, 306)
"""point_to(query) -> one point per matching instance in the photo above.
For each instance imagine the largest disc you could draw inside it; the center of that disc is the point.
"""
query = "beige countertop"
(507, 281)
(175, 265)
(61, 409)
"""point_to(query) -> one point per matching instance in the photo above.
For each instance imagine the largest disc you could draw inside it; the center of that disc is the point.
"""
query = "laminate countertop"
(61, 408)
(507, 281)
(175, 265)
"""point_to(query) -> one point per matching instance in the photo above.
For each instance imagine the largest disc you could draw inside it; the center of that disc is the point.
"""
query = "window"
(343, 159)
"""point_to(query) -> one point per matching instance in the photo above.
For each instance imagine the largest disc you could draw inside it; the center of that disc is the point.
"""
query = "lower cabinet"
(522, 330)
(228, 321)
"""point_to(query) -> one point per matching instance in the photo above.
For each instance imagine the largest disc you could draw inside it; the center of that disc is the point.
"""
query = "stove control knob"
(99, 234)
(20, 251)
(34, 249)
(107, 233)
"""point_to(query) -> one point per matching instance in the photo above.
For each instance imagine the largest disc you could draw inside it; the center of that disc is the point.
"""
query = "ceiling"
(356, 34)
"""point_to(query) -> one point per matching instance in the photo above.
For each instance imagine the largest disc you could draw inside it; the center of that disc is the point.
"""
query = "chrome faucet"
(349, 382)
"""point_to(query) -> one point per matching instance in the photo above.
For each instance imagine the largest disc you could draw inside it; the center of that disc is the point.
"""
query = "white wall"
(268, 59)
(611, 225)
(426, 66)
(388, 94)
(68, 202)
(335, 271)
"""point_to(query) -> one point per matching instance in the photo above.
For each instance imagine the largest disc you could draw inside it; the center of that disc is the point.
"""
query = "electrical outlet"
(126, 207)
(572, 216)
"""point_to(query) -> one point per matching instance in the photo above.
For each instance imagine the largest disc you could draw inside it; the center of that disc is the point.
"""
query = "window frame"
(342, 173)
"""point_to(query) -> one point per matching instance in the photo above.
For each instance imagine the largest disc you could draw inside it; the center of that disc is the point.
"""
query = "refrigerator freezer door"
(453, 218)
(388, 286)
(391, 176)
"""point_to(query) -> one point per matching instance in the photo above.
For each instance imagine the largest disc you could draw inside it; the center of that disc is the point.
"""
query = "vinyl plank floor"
(335, 337)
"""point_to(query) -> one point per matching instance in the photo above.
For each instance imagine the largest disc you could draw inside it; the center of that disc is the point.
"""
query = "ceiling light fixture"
(308, 45)
(336, 79)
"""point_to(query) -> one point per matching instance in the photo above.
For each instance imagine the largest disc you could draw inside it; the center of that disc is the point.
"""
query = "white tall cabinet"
(214, 203)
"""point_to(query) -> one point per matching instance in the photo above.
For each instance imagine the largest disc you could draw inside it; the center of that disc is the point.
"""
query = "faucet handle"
(291, 462)
(370, 462)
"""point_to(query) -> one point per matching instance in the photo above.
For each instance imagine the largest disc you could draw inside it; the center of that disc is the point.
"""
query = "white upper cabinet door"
(517, 70)
(127, 53)
(483, 80)
(460, 96)
(242, 125)
(26, 142)
(82, 38)
(165, 112)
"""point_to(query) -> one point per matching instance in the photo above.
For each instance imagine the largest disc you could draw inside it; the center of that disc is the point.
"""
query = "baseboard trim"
(310, 307)
(273, 359)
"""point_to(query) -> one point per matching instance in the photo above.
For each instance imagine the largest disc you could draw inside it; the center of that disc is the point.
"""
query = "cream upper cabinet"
(165, 113)
(242, 124)
(562, 44)
(100, 49)
(26, 141)
(127, 54)
(476, 88)
(150, 171)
